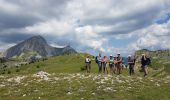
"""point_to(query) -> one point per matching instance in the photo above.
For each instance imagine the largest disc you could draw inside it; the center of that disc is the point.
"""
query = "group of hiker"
(115, 64)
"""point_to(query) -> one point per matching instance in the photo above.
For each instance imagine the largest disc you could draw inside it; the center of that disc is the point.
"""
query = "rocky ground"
(81, 86)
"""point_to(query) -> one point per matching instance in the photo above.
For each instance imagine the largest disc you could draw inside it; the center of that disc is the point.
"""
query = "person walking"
(119, 63)
(88, 64)
(144, 63)
(115, 65)
(104, 65)
(99, 62)
(111, 64)
(131, 65)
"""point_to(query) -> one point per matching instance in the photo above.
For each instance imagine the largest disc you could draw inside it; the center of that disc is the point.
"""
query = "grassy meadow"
(61, 78)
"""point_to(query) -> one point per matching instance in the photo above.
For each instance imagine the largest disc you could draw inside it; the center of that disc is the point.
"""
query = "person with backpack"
(111, 64)
(131, 65)
(119, 63)
(88, 64)
(99, 62)
(148, 60)
(144, 63)
(104, 65)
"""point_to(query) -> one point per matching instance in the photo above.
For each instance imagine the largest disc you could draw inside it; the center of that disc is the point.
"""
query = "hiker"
(119, 63)
(131, 64)
(111, 64)
(115, 65)
(99, 62)
(104, 65)
(144, 63)
(88, 64)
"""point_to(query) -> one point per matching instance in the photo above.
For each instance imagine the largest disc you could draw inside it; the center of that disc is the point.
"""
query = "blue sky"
(93, 26)
(164, 19)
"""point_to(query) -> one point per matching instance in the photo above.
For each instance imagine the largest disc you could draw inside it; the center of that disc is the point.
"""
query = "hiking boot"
(145, 75)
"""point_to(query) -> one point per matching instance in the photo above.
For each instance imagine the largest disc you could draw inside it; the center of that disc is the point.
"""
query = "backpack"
(96, 59)
(148, 61)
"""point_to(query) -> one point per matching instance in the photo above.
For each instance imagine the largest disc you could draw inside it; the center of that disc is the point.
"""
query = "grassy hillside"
(160, 60)
(59, 64)
(60, 78)
(155, 54)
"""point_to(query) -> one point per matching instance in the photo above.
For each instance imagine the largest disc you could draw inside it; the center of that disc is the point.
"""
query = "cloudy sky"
(108, 26)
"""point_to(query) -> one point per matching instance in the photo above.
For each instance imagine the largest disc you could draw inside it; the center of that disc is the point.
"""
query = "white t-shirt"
(88, 60)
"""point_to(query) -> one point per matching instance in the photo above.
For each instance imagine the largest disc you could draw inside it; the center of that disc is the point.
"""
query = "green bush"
(83, 68)
(38, 66)
(17, 66)
(17, 70)
(3, 72)
(5, 66)
(9, 72)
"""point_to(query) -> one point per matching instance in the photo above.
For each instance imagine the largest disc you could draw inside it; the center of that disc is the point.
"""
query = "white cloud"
(87, 36)
(52, 27)
(155, 36)
(5, 46)
(89, 23)
(8, 7)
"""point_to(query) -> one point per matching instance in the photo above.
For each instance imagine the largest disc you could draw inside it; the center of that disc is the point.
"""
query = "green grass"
(68, 82)
(60, 64)
(167, 68)
(87, 87)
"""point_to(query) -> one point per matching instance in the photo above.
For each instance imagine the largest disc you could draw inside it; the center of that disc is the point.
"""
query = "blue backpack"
(96, 59)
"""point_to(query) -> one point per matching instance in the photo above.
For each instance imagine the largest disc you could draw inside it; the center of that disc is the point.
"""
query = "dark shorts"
(144, 66)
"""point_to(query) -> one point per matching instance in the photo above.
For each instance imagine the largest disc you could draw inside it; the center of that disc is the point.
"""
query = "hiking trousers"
(100, 66)
(104, 67)
(131, 69)
(88, 67)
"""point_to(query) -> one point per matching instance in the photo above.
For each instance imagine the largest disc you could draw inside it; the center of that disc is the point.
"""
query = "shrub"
(5, 66)
(17, 66)
(9, 72)
(38, 66)
(83, 68)
(17, 70)
(3, 72)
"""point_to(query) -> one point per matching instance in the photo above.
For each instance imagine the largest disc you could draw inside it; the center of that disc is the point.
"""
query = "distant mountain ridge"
(156, 53)
(39, 45)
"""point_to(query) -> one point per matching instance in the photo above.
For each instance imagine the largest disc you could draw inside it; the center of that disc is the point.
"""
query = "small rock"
(69, 93)
(24, 95)
(93, 93)
(158, 85)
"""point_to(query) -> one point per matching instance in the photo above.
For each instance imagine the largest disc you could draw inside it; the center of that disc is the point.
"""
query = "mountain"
(37, 45)
(155, 54)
